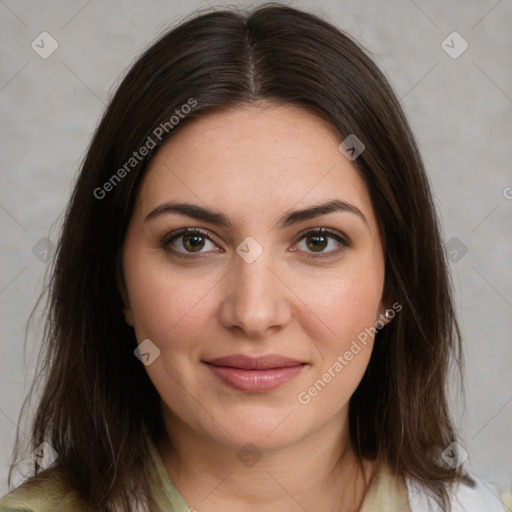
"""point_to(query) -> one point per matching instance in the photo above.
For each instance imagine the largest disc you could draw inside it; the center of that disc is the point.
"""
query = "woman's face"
(290, 313)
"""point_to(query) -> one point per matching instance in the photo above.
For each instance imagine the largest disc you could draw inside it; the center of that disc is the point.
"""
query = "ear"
(128, 315)
(385, 312)
(121, 286)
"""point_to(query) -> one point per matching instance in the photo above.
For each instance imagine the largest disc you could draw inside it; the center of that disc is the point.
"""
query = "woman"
(298, 361)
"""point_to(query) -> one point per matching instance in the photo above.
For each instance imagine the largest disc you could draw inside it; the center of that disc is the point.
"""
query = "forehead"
(254, 161)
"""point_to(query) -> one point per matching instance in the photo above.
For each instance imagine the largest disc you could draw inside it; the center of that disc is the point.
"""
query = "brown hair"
(97, 397)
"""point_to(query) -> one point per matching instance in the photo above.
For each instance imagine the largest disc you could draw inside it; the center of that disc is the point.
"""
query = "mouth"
(256, 374)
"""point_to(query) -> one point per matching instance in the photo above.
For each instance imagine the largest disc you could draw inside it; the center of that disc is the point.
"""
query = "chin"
(266, 432)
(259, 439)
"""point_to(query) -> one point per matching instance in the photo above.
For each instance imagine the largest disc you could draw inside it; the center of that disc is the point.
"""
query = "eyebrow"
(219, 219)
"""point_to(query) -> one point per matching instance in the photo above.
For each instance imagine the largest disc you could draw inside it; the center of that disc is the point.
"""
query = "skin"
(255, 164)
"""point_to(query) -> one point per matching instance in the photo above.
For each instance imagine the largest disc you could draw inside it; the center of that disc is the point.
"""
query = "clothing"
(385, 494)
(482, 498)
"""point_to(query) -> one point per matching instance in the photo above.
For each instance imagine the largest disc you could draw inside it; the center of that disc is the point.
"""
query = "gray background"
(460, 109)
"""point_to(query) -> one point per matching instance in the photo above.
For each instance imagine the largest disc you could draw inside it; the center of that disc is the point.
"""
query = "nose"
(255, 299)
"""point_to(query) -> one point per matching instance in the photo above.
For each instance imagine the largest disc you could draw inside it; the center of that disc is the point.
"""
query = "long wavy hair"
(98, 408)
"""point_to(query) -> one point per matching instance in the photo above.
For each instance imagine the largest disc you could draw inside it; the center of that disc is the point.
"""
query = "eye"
(315, 241)
(188, 241)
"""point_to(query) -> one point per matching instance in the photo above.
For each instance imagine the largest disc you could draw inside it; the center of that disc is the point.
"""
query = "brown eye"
(317, 243)
(188, 241)
(193, 243)
(318, 240)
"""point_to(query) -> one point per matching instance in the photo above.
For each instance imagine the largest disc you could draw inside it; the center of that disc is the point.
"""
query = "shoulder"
(482, 497)
(46, 493)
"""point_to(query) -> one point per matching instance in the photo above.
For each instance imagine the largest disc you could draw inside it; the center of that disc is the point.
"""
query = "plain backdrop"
(458, 100)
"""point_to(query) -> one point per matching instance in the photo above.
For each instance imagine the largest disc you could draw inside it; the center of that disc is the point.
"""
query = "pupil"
(192, 242)
(195, 241)
(319, 242)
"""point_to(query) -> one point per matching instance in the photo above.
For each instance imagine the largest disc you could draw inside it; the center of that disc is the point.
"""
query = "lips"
(247, 373)
(254, 363)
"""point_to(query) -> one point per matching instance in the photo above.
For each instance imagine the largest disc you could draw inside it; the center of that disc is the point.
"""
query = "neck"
(320, 472)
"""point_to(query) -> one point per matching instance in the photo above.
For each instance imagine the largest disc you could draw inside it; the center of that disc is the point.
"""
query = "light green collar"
(165, 492)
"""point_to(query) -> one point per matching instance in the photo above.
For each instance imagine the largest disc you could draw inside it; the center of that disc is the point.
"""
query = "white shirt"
(481, 498)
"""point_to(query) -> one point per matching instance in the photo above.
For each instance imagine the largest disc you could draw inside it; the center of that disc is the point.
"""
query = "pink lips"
(254, 373)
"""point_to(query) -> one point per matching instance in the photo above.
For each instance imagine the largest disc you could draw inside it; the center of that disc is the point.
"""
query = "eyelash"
(171, 237)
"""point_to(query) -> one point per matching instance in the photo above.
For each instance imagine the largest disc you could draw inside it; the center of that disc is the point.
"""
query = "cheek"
(354, 307)
(343, 327)
(345, 305)
(168, 307)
